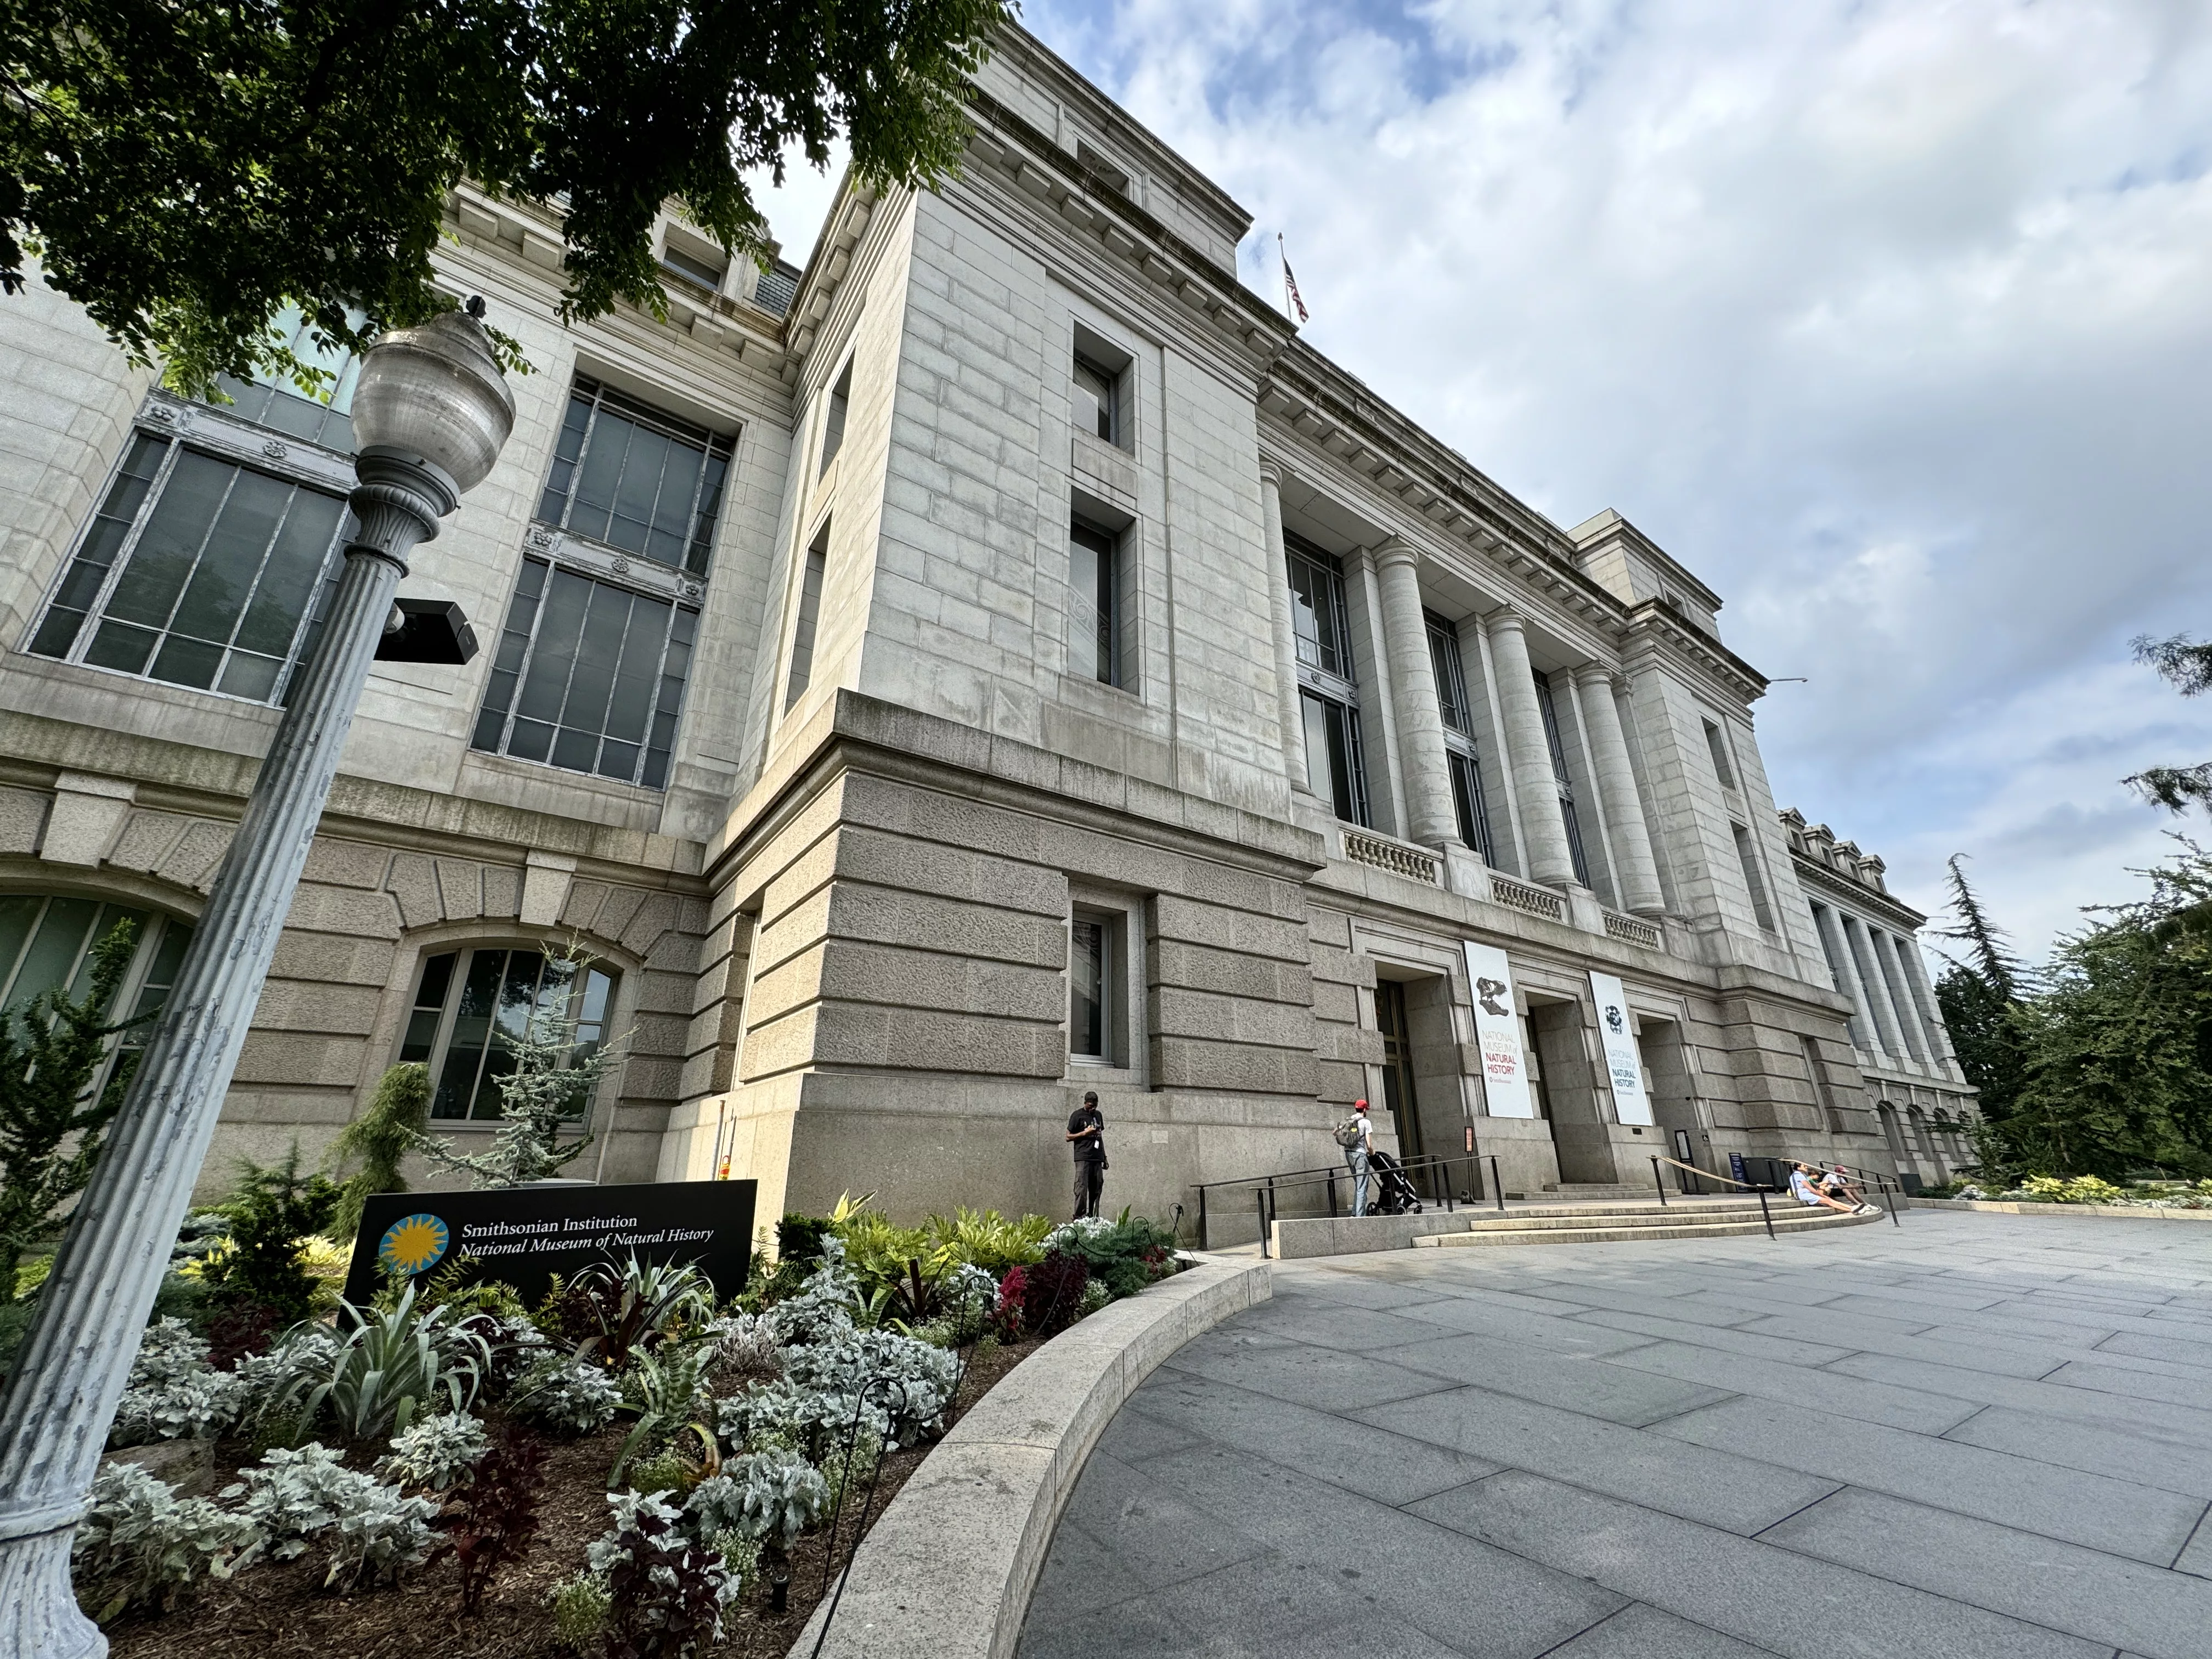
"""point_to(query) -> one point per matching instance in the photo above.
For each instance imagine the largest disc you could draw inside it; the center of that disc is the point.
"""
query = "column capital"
(1271, 472)
(1394, 550)
(1505, 617)
(1594, 673)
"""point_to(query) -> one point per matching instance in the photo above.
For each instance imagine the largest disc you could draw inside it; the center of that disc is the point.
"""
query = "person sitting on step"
(1802, 1188)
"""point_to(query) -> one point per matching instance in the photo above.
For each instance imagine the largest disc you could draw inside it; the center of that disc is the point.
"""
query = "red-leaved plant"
(489, 1522)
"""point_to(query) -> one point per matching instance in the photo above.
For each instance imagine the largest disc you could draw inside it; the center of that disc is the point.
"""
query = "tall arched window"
(47, 942)
(466, 999)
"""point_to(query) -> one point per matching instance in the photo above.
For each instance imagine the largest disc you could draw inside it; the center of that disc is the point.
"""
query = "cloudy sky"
(1892, 318)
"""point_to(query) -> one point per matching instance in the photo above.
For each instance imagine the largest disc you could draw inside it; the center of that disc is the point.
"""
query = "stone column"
(1286, 649)
(1923, 993)
(1837, 950)
(1530, 755)
(1879, 1009)
(1900, 995)
(1635, 872)
(1431, 818)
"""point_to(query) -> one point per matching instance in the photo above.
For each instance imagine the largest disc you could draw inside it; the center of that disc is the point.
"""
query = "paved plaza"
(1975, 1434)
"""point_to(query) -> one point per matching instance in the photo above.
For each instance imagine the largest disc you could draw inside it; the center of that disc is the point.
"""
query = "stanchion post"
(1659, 1180)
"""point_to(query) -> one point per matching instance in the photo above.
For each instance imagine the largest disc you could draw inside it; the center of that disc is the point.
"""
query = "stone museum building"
(996, 661)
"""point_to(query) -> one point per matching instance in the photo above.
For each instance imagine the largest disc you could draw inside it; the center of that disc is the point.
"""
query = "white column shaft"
(1530, 755)
(1430, 817)
(1635, 871)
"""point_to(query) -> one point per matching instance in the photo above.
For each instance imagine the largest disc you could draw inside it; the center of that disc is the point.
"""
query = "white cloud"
(1887, 318)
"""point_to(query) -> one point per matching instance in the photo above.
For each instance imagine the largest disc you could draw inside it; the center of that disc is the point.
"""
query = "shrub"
(493, 1518)
(580, 1604)
(904, 1385)
(746, 1350)
(988, 1240)
(824, 1307)
(272, 1213)
(764, 1497)
(666, 1589)
(798, 1237)
(436, 1453)
(392, 1125)
(141, 1546)
(388, 1365)
(1128, 1253)
(1047, 1295)
(609, 1312)
(292, 1495)
(568, 1396)
(174, 1393)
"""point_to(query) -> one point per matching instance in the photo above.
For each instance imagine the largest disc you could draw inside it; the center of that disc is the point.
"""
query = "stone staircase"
(1621, 1220)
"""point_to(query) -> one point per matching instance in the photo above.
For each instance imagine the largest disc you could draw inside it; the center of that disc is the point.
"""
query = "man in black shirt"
(1086, 1128)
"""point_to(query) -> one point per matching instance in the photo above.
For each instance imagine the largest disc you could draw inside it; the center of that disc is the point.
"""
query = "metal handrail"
(1881, 1182)
(1270, 1188)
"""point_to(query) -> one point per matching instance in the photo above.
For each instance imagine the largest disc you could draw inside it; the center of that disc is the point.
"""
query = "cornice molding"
(1898, 915)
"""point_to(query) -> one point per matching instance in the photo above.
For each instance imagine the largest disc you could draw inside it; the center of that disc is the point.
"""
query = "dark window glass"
(1335, 771)
(692, 267)
(325, 418)
(1467, 797)
(1451, 677)
(833, 424)
(1748, 855)
(1716, 746)
(1318, 618)
(628, 476)
(1094, 632)
(1565, 780)
(1089, 965)
(809, 615)
(47, 945)
(208, 584)
(1097, 401)
(471, 1006)
(588, 676)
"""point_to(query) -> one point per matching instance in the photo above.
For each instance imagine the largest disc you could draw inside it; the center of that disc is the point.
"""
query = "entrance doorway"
(1398, 1090)
(1569, 1092)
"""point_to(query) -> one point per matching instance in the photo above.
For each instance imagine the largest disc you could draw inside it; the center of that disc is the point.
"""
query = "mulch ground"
(280, 1611)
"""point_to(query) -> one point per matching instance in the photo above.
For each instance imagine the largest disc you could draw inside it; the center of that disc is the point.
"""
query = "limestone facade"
(1079, 683)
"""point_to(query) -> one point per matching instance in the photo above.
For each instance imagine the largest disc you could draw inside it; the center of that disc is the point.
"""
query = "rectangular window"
(1090, 970)
(1318, 617)
(468, 1040)
(1451, 676)
(833, 424)
(1716, 746)
(1565, 780)
(1335, 768)
(1467, 797)
(692, 267)
(589, 676)
(810, 614)
(196, 571)
(326, 419)
(1098, 400)
(1748, 855)
(628, 477)
(1094, 575)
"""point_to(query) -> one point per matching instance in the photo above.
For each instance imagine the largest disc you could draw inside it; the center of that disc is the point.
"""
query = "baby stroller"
(1393, 1192)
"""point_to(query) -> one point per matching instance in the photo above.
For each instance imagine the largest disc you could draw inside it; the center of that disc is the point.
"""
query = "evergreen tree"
(377, 1140)
(2187, 664)
(272, 1212)
(551, 1086)
(2119, 1047)
(51, 1125)
(1981, 999)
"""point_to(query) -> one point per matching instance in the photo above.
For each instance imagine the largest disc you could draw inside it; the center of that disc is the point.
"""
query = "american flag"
(1292, 299)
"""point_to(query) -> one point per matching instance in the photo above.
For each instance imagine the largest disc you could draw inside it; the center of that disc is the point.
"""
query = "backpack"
(1347, 1133)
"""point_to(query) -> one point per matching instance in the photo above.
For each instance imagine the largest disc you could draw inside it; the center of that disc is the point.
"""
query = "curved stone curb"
(2125, 1213)
(947, 1570)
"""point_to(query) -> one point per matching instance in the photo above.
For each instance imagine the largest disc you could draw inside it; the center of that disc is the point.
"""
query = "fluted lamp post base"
(93, 1307)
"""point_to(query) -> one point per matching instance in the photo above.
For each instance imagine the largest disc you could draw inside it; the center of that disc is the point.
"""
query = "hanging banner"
(1624, 1063)
(1498, 1034)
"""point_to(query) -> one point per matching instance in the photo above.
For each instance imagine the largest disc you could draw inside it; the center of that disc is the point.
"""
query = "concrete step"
(1600, 1190)
(1609, 1234)
(1649, 1206)
(1654, 1217)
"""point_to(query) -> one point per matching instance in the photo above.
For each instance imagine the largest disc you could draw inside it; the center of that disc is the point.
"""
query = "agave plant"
(388, 1365)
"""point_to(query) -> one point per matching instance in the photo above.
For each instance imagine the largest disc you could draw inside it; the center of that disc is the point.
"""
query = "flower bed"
(627, 1470)
(2084, 1189)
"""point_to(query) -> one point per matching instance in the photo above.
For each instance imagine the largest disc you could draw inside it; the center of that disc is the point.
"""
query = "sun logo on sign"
(412, 1244)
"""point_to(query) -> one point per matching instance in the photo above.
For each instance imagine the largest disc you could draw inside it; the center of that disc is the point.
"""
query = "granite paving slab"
(1975, 1434)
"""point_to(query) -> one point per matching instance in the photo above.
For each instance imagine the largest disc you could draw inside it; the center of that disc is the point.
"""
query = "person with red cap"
(1356, 1135)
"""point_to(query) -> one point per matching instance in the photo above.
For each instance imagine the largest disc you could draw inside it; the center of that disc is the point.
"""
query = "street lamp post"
(431, 412)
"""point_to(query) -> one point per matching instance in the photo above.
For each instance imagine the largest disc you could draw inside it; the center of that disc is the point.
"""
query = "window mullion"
(522, 668)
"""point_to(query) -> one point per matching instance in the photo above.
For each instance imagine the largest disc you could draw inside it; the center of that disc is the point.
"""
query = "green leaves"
(183, 170)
